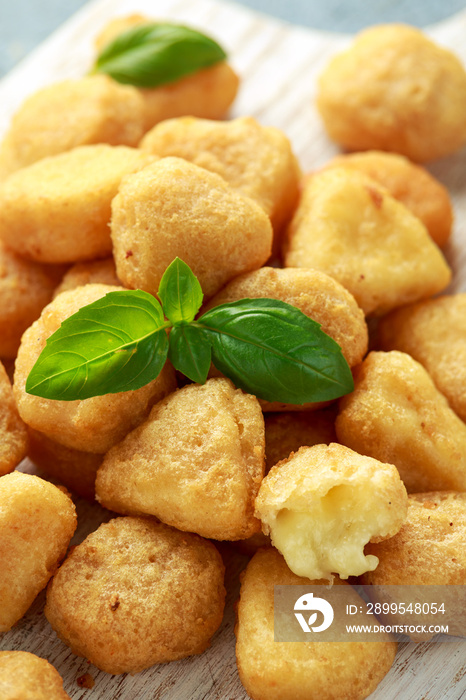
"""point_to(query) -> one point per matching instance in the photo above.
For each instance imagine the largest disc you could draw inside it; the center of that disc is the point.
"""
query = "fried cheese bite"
(94, 272)
(196, 463)
(434, 333)
(272, 670)
(324, 503)
(37, 522)
(25, 676)
(254, 159)
(58, 210)
(13, 433)
(72, 113)
(397, 415)
(349, 227)
(395, 90)
(174, 208)
(411, 185)
(90, 425)
(137, 593)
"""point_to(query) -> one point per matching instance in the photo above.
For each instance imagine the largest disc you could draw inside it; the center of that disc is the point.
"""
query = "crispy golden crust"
(411, 185)
(196, 463)
(272, 670)
(395, 90)
(58, 209)
(174, 208)
(91, 425)
(396, 414)
(434, 333)
(95, 272)
(136, 593)
(25, 676)
(37, 522)
(13, 434)
(350, 227)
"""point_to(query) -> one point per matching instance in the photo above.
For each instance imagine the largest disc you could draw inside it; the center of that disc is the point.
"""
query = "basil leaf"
(115, 344)
(273, 350)
(149, 55)
(180, 292)
(190, 352)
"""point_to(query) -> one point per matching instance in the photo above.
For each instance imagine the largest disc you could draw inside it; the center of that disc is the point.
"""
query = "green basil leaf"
(190, 352)
(149, 55)
(115, 344)
(273, 350)
(180, 292)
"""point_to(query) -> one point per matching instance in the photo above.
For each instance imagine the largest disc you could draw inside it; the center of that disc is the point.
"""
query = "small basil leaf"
(180, 292)
(115, 344)
(273, 350)
(152, 54)
(190, 352)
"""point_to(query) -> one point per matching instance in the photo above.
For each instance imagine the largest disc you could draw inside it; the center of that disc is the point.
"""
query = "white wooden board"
(278, 64)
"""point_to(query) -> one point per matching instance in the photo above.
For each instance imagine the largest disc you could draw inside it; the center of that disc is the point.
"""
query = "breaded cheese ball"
(395, 90)
(137, 593)
(25, 676)
(90, 425)
(94, 272)
(196, 463)
(25, 288)
(434, 333)
(324, 503)
(13, 433)
(58, 210)
(174, 208)
(350, 227)
(72, 113)
(207, 93)
(37, 522)
(254, 159)
(411, 185)
(300, 670)
(397, 415)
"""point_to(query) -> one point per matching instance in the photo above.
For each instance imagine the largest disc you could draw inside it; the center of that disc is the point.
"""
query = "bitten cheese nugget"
(324, 503)
(37, 522)
(72, 113)
(272, 670)
(137, 593)
(397, 415)
(13, 435)
(25, 676)
(196, 463)
(90, 425)
(174, 208)
(350, 227)
(58, 210)
(395, 90)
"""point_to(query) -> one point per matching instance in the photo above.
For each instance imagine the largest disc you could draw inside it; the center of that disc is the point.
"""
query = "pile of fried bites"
(102, 186)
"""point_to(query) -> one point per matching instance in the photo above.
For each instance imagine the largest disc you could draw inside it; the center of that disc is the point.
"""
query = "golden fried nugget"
(90, 425)
(272, 670)
(25, 676)
(196, 463)
(324, 503)
(137, 593)
(72, 113)
(95, 272)
(395, 90)
(254, 159)
(13, 434)
(350, 227)
(58, 210)
(397, 415)
(37, 522)
(434, 333)
(411, 185)
(174, 208)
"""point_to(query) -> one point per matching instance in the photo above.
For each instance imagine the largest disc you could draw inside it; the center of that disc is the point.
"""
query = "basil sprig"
(120, 343)
(152, 54)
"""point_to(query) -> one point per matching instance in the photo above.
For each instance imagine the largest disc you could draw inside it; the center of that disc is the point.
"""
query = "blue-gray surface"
(25, 23)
